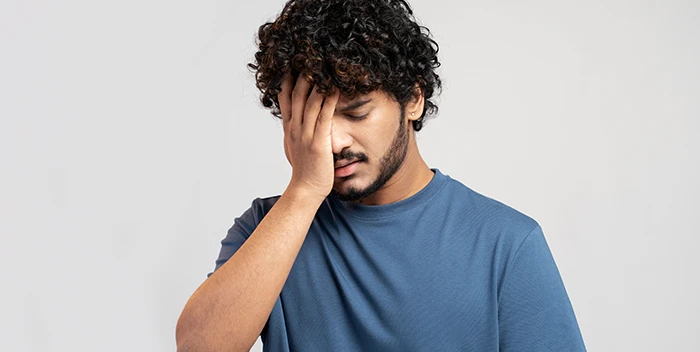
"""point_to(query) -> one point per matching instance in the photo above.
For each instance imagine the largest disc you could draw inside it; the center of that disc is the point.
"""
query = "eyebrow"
(355, 105)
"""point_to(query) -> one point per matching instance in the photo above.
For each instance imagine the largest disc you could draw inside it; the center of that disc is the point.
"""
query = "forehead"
(374, 97)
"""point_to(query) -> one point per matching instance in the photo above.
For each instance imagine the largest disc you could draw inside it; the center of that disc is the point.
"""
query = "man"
(369, 249)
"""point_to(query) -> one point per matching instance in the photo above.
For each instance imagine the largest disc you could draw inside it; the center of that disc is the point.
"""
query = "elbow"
(186, 346)
(183, 348)
(184, 338)
(191, 342)
(182, 344)
(192, 335)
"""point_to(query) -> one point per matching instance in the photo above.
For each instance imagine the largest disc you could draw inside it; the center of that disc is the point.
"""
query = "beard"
(388, 165)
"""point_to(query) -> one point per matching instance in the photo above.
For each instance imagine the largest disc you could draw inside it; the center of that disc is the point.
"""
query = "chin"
(345, 184)
(351, 185)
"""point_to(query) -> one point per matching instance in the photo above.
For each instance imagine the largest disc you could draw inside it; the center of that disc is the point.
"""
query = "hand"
(307, 120)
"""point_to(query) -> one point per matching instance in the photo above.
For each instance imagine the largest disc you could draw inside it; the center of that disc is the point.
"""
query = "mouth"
(344, 163)
(346, 169)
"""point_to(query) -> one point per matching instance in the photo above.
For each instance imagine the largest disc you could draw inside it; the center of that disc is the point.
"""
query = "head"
(379, 58)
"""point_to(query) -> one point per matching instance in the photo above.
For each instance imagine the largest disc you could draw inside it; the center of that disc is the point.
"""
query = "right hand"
(307, 121)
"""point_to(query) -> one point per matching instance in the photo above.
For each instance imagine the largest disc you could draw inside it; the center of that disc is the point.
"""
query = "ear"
(414, 107)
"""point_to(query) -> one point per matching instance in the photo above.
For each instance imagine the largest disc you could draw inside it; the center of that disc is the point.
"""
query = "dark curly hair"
(357, 46)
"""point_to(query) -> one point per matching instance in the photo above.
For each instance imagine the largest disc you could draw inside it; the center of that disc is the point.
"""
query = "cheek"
(377, 140)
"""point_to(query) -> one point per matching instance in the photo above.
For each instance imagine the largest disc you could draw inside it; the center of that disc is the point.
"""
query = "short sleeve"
(534, 311)
(243, 227)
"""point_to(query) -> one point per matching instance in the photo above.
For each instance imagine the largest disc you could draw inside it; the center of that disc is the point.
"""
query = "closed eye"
(355, 117)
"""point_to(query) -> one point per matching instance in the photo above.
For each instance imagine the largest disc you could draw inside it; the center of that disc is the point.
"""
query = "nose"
(340, 138)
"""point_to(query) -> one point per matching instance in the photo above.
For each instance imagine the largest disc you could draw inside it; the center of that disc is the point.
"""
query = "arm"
(534, 311)
(229, 310)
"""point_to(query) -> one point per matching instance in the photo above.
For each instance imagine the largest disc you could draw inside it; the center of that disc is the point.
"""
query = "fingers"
(299, 96)
(311, 111)
(285, 96)
(325, 117)
(305, 115)
(287, 152)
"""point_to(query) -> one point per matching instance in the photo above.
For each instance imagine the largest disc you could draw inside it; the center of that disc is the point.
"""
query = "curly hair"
(357, 46)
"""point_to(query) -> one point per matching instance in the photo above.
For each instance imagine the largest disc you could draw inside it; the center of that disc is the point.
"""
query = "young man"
(369, 249)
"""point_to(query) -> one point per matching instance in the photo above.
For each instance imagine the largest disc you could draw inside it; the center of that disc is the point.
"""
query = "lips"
(346, 169)
(343, 164)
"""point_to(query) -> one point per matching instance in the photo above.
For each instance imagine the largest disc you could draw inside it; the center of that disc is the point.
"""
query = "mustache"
(349, 156)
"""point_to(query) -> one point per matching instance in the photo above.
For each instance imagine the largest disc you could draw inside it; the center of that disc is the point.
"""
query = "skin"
(229, 310)
(378, 134)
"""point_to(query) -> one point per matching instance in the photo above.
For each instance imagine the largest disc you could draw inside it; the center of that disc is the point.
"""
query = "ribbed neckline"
(373, 212)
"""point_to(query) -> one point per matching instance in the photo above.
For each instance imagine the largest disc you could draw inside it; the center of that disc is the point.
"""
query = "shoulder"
(500, 229)
(488, 215)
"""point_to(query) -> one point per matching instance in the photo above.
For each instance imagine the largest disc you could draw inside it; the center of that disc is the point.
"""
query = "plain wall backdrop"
(132, 136)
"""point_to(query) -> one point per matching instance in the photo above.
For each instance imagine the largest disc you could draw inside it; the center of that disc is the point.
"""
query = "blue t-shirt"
(446, 269)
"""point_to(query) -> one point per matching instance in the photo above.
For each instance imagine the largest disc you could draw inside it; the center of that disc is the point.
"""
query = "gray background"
(131, 138)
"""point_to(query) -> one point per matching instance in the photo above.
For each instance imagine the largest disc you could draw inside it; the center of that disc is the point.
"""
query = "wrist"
(302, 194)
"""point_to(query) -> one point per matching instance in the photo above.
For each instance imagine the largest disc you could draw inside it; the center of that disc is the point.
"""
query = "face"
(370, 137)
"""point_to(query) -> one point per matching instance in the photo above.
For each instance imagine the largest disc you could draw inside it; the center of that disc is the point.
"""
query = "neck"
(413, 175)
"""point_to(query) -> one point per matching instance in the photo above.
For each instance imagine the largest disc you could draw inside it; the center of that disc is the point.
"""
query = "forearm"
(229, 310)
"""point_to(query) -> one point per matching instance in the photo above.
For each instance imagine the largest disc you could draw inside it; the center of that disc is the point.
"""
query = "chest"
(398, 292)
